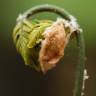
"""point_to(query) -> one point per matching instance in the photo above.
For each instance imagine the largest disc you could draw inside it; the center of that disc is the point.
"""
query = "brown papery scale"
(52, 47)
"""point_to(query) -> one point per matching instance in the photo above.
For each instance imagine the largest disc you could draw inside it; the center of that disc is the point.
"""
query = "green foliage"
(27, 37)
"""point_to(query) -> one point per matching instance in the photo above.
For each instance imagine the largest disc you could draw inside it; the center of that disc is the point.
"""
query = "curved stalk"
(46, 8)
(80, 39)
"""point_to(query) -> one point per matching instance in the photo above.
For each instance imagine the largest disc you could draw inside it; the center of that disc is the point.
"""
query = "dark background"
(16, 79)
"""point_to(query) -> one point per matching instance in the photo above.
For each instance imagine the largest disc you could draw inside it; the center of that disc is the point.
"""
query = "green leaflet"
(27, 36)
(35, 36)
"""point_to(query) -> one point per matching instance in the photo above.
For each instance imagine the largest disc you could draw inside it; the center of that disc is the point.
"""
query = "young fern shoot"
(42, 43)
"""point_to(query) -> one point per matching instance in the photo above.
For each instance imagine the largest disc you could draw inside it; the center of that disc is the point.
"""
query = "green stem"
(80, 66)
(81, 63)
(46, 8)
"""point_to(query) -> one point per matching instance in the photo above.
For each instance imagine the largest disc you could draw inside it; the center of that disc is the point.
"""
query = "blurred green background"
(18, 80)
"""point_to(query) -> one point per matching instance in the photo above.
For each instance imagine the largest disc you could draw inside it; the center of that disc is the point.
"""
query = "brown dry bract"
(52, 48)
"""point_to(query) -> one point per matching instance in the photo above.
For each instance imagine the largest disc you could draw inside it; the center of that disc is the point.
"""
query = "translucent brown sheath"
(80, 41)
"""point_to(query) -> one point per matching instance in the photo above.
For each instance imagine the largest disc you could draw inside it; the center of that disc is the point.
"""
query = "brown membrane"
(52, 47)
